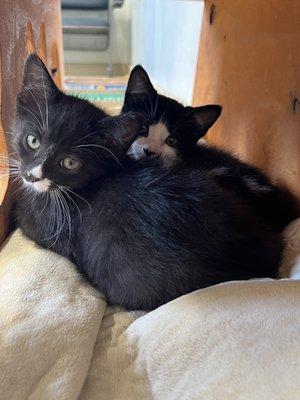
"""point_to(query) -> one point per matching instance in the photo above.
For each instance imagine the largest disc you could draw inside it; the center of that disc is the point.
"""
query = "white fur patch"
(202, 142)
(154, 142)
(40, 186)
(136, 150)
(37, 172)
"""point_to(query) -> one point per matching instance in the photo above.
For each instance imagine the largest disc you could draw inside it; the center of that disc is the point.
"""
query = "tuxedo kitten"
(174, 132)
(142, 233)
(173, 128)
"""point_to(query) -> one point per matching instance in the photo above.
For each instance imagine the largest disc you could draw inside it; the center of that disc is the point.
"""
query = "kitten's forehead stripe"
(155, 142)
(158, 131)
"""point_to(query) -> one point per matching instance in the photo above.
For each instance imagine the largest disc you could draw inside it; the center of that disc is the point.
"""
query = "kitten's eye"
(171, 141)
(144, 130)
(33, 142)
(70, 163)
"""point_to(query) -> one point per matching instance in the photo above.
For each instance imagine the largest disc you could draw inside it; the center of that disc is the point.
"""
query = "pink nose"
(30, 177)
(155, 148)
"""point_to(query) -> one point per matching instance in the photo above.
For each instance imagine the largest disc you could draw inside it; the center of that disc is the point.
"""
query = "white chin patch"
(40, 186)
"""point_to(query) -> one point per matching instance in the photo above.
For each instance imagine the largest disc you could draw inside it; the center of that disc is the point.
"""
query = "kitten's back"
(162, 233)
(273, 204)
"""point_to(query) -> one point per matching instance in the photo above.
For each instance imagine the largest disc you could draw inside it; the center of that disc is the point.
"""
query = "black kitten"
(174, 133)
(142, 233)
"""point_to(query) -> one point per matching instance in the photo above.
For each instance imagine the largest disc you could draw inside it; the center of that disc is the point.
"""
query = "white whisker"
(34, 116)
(38, 106)
(101, 147)
(102, 131)
(76, 194)
(46, 106)
(74, 202)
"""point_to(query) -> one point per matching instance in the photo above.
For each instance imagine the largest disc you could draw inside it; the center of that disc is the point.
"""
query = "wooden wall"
(249, 61)
(26, 26)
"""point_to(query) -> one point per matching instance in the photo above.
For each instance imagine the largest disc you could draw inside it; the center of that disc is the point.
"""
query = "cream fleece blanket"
(59, 340)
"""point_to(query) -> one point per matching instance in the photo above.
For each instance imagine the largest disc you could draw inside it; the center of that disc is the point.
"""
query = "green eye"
(33, 142)
(70, 163)
(171, 141)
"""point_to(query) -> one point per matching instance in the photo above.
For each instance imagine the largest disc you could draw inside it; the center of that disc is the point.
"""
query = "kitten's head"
(64, 141)
(173, 128)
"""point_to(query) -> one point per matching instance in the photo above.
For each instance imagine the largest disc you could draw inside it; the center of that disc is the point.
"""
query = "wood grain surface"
(26, 26)
(249, 62)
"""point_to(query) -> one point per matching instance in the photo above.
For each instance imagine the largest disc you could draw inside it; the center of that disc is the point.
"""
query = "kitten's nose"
(30, 177)
(147, 152)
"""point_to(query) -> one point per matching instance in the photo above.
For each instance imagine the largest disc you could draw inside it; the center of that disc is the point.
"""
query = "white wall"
(165, 40)
(121, 41)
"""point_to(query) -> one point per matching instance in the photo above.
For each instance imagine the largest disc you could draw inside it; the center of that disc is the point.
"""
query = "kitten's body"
(141, 232)
(170, 120)
(273, 205)
(155, 234)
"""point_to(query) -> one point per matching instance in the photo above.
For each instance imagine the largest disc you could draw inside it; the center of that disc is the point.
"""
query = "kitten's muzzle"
(28, 176)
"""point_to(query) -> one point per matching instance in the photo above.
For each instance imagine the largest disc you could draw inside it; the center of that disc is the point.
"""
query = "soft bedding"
(60, 340)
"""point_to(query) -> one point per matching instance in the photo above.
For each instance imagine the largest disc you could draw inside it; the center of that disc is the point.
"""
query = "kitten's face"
(173, 128)
(63, 141)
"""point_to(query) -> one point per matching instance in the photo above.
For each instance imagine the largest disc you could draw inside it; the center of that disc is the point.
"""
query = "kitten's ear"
(205, 116)
(139, 83)
(125, 128)
(38, 87)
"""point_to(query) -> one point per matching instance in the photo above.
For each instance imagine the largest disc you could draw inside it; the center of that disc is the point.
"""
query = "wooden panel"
(54, 67)
(4, 172)
(42, 51)
(249, 61)
(26, 26)
(30, 45)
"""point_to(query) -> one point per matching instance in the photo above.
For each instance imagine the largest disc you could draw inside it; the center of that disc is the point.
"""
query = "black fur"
(142, 233)
(274, 205)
